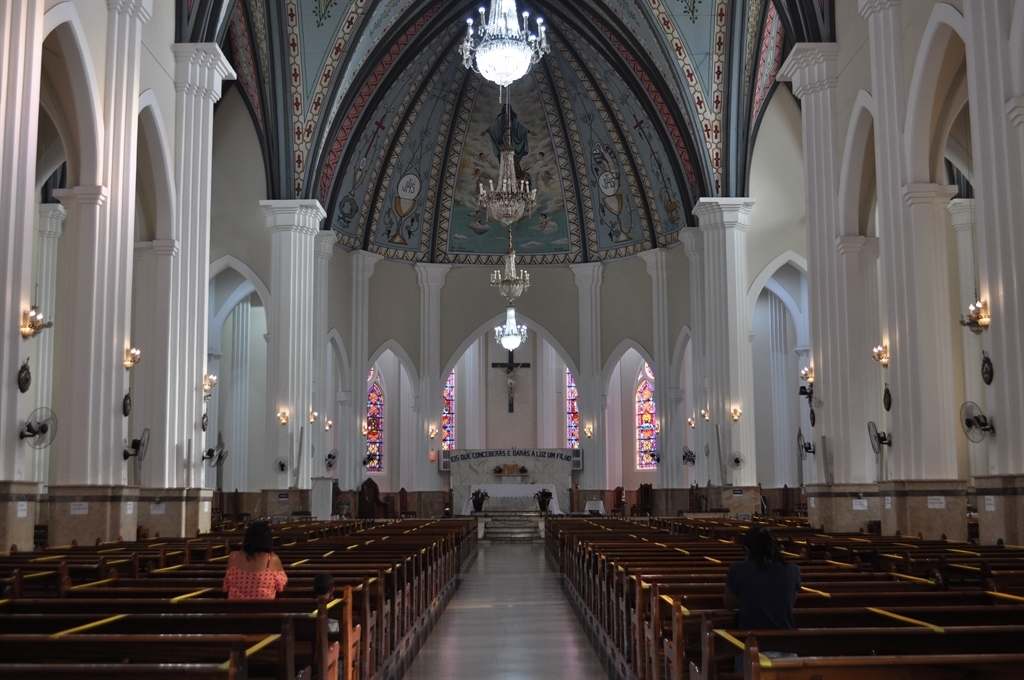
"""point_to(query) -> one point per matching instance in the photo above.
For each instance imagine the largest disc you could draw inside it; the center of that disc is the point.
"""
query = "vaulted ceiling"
(641, 108)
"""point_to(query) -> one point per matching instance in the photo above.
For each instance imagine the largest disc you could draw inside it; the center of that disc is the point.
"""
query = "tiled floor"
(509, 620)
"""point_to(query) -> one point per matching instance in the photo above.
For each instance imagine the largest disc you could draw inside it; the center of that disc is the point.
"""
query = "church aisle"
(508, 620)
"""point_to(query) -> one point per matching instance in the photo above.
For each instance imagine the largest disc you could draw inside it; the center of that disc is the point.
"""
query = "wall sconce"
(132, 356)
(313, 415)
(977, 317)
(432, 431)
(807, 375)
(692, 422)
(282, 417)
(209, 382)
(32, 322)
(366, 429)
(705, 414)
(328, 424)
(736, 413)
(589, 431)
(880, 353)
(657, 427)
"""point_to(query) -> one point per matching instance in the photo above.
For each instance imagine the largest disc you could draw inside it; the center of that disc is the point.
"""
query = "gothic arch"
(676, 372)
(82, 135)
(616, 356)
(232, 262)
(151, 122)
(862, 121)
(788, 257)
(945, 22)
(337, 346)
(499, 319)
(403, 358)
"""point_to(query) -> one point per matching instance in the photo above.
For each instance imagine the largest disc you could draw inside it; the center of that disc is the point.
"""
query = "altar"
(519, 492)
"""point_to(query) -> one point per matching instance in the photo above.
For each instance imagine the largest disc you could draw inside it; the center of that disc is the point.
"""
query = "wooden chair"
(643, 501)
(619, 508)
(370, 504)
(403, 504)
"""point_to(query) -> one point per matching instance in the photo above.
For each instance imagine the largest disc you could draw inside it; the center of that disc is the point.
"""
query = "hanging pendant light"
(503, 48)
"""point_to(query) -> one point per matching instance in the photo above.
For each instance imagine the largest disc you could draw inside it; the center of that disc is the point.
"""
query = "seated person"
(323, 589)
(764, 587)
(255, 572)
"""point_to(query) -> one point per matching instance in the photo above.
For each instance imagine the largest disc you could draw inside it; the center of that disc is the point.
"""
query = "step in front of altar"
(512, 525)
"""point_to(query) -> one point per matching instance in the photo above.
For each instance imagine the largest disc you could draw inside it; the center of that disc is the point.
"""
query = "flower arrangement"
(543, 495)
(479, 495)
(522, 469)
(498, 469)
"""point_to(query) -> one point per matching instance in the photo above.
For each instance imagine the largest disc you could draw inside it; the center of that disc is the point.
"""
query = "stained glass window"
(374, 460)
(646, 427)
(448, 414)
(572, 415)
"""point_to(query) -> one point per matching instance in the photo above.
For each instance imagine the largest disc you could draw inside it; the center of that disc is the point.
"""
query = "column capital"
(693, 242)
(363, 263)
(810, 67)
(655, 260)
(849, 245)
(587, 274)
(324, 244)
(83, 195)
(200, 68)
(140, 9)
(869, 8)
(302, 217)
(166, 246)
(430, 275)
(723, 213)
(916, 194)
(961, 212)
(51, 219)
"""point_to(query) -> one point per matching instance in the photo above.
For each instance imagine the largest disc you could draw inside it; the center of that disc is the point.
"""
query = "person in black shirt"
(764, 586)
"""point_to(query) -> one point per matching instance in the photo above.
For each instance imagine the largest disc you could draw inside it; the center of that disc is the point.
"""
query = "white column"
(236, 420)
(549, 397)
(431, 281)
(833, 272)
(592, 402)
(351, 471)
(670, 464)
(961, 210)
(870, 375)
(50, 227)
(853, 459)
(705, 468)
(21, 49)
(784, 439)
(997, 140)
(322, 379)
(199, 70)
(723, 222)
(293, 226)
(213, 357)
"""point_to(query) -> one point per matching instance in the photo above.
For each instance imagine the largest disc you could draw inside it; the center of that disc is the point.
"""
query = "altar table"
(512, 491)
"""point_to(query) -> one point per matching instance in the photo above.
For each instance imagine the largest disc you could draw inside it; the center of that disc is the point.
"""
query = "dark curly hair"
(258, 539)
(762, 547)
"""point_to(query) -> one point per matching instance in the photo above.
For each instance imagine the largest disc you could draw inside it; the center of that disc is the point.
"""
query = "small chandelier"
(504, 48)
(977, 317)
(510, 283)
(513, 196)
(510, 336)
(32, 322)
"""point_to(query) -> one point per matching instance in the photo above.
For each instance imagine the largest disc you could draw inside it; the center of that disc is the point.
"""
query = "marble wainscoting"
(175, 513)
(843, 507)
(930, 507)
(18, 514)
(87, 513)
(1000, 508)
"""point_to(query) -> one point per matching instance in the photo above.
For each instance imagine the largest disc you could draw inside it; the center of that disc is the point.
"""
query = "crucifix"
(510, 367)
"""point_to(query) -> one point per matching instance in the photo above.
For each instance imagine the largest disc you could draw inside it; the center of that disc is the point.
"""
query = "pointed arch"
(788, 257)
(84, 153)
(151, 122)
(678, 352)
(375, 425)
(617, 354)
(232, 262)
(403, 358)
(340, 355)
(862, 121)
(499, 319)
(646, 426)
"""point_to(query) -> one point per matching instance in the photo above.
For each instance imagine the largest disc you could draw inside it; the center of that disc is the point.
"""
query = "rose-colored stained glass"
(448, 414)
(374, 429)
(572, 414)
(646, 427)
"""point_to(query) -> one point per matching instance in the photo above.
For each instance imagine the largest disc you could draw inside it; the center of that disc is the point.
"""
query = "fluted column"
(293, 226)
(784, 438)
(592, 402)
(199, 71)
(322, 398)
(21, 49)
(669, 473)
(236, 419)
(997, 140)
(961, 210)
(705, 468)
(50, 228)
(351, 471)
(431, 281)
(723, 223)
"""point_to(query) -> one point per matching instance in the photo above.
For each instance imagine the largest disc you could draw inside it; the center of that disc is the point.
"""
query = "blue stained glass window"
(572, 414)
(374, 429)
(448, 414)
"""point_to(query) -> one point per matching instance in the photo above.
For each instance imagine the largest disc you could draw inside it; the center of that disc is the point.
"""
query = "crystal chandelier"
(510, 283)
(513, 196)
(504, 48)
(510, 336)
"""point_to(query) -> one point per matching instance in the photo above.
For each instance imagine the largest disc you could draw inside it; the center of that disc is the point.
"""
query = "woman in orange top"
(255, 572)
